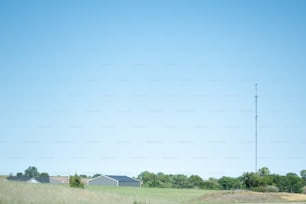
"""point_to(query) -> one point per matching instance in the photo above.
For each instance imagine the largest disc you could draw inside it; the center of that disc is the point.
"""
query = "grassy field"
(154, 195)
(17, 192)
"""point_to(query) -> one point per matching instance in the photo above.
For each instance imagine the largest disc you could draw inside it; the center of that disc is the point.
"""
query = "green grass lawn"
(26, 193)
(154, 195)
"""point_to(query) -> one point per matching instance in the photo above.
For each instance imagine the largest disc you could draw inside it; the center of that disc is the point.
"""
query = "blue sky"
(119, 87)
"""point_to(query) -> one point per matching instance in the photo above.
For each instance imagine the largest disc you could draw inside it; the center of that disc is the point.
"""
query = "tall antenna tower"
(256, 118)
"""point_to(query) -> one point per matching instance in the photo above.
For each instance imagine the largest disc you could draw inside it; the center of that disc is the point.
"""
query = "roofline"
(126, 176)
(26, 177)
(135, 179)
(103, 176)
(117, 181)
(112, 179)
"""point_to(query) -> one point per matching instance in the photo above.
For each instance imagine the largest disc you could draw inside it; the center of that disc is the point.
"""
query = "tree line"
(262, 181)
(32, 172)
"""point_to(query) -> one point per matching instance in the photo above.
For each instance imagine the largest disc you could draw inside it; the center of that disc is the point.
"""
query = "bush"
(259, 189)
(211, 184)
(229, 183)
(266, 189)
(272, 189)
(290, 183)
(75, 181)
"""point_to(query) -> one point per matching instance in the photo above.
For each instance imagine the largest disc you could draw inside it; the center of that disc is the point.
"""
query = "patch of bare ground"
(250, 197)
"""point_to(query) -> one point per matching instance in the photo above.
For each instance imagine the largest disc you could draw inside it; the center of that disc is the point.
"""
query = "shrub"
(75, 181)
(271, 189)
(290, 183)
(266, 189)
(229, 183)
(259, 189)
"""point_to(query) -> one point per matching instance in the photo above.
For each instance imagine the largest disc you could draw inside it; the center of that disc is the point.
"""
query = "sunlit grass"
(154, 195)
(25, 193)
(18, 192)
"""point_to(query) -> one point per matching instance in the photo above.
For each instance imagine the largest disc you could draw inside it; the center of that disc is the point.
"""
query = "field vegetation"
(261, 181)
(26, 193)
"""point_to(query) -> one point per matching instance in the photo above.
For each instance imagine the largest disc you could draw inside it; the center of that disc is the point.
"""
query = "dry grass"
(23, 193)
(26, 193)
(251, 197)
(294, 197)
(19, 192)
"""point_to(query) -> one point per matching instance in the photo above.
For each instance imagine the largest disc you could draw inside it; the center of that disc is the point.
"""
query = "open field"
(15, 192)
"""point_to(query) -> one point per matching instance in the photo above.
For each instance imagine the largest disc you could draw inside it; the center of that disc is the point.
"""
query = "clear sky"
(119, 87)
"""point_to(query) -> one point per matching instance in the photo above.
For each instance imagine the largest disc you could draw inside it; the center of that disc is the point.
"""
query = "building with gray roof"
(113, 180)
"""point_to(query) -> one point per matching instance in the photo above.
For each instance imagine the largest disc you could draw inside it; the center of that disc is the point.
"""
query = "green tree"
(281, 183)
(163, 180)
(295, 183)
(291, 174)
(44, 175)
(148, 179)
(250, 180)
(76, 181)
(19, 174)
(264, 171)
(31, 171)
(211, 184)
(195, 181)
(267, 180)
(303, 175)
(229, 183)
(180, 181)
(290, 183)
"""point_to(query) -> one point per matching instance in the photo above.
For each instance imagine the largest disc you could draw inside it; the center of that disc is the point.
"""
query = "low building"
(63, 180)
(28, 179)
(111, 180)
(59, 179)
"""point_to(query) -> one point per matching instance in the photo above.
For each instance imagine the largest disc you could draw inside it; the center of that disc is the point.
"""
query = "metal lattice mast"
(256, 118)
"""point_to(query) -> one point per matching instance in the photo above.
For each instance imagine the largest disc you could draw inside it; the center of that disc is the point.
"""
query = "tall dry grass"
(19, 192)
(24, 193)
